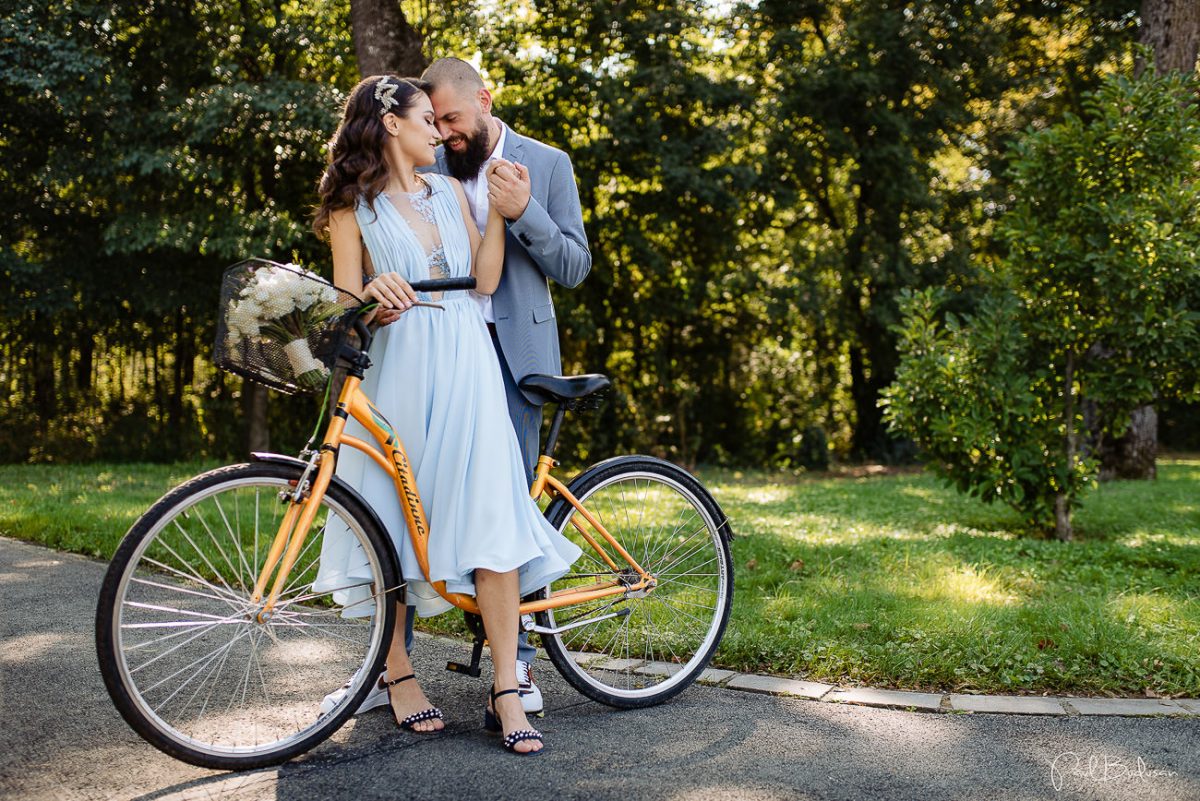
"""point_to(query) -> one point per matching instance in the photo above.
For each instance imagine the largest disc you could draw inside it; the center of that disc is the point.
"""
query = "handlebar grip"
(444, 284)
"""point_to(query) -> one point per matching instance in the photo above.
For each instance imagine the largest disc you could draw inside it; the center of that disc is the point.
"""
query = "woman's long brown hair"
(357, 167)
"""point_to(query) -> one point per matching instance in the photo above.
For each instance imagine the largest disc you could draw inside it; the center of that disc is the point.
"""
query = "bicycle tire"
(294, 645)
(691, 532)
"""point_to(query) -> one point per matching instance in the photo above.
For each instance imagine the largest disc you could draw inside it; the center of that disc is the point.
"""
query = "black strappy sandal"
(491, 722)
(408, 724)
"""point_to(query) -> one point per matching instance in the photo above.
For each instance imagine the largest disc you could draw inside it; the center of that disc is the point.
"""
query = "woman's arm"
(488, 262)
(392, 291)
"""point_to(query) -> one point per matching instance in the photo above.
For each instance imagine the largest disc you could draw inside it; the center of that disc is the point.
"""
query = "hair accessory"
(385, 93)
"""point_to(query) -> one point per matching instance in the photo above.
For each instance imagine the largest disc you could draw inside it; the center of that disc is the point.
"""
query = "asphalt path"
(61, 738)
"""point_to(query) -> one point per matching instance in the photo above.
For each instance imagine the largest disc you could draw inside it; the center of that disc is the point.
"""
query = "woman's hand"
(393, 293)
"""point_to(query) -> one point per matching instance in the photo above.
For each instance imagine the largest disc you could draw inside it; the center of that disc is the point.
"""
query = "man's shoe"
(531, 696)
(376, 697)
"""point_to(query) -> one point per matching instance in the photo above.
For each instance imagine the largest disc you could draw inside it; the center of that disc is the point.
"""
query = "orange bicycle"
(216, 642)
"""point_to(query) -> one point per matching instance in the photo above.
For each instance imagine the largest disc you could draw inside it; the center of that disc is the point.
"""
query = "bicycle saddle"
(563, 388)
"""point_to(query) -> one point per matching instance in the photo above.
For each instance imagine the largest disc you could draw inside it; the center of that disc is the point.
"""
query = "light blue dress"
(436, 377)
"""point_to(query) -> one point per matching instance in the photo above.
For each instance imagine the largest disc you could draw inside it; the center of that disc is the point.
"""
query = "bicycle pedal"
(458, 667)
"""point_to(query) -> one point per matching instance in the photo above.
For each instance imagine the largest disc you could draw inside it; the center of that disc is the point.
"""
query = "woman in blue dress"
(436, 377)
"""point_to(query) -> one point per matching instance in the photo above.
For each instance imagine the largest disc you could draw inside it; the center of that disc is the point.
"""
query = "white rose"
(278, 306)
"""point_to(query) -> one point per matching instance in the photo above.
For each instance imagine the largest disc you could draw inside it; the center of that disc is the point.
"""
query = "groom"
(534, 189)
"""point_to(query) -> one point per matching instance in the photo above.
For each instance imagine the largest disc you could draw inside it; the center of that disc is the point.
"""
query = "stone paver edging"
(917, 701)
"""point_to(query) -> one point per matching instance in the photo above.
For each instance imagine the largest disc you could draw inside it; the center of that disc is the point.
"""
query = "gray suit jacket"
(546, 242)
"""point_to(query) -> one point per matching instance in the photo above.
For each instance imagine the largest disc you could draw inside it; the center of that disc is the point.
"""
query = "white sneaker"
(531, 696)
(378, 696)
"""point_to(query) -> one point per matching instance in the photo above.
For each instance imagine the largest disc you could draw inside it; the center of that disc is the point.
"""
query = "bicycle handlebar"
(365, 334)
(444, 284)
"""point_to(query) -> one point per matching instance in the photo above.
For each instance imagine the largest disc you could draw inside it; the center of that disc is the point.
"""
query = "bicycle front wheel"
(181, 650)
(640, 649)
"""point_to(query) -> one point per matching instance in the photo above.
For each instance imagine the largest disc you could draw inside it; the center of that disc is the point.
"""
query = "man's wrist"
(511, 220)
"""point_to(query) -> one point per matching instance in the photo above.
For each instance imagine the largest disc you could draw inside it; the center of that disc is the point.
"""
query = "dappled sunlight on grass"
(967, 584)
(1143, 609)
(902, 582)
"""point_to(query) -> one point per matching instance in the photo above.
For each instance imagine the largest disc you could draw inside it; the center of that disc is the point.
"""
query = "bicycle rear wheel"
(654, 645)
(181, 651)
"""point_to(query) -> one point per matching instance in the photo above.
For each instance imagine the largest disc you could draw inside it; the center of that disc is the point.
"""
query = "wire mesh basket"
(281, 326)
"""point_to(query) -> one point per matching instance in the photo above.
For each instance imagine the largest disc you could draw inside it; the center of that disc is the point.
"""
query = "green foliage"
(1097, 298)
(880, 124)
(147, 149)
(759, 181)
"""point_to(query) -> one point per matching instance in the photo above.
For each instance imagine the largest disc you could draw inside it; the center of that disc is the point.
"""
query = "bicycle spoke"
(234, 573)
(230, 595)
(236, 537)
(185, 591)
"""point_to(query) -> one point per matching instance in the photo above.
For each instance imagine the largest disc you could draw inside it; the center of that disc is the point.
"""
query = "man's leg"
(527, 420)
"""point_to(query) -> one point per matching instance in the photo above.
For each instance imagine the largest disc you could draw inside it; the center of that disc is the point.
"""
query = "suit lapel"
(514, 146)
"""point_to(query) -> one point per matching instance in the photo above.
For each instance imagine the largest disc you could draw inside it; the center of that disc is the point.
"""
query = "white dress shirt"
(476, 190)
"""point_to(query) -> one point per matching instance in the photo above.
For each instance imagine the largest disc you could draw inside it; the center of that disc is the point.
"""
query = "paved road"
(60, 737)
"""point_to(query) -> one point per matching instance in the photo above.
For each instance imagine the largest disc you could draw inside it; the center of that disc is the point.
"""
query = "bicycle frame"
(392, 459)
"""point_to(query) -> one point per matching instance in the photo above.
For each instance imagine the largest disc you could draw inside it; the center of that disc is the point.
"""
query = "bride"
(437, 379)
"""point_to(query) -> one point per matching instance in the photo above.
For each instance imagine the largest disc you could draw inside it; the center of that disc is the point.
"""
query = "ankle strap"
(394, 682)
(496, 694)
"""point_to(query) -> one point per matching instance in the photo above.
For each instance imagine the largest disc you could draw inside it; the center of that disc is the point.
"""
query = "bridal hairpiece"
(385, 93)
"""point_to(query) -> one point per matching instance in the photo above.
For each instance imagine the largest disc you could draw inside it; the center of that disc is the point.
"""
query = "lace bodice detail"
(417, 211)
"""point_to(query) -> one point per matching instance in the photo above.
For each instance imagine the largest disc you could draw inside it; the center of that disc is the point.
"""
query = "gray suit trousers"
(526, 417)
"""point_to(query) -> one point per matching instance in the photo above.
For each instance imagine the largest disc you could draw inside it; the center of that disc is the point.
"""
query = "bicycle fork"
(303, 504)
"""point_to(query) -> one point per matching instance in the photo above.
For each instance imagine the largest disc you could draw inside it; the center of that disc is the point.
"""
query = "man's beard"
(465, 165)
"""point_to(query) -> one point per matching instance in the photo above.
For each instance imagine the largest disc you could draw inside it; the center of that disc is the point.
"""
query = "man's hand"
(385, 317)
(508, 188)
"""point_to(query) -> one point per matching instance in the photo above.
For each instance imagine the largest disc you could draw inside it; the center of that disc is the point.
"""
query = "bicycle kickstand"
(475, 626)
(473, 668)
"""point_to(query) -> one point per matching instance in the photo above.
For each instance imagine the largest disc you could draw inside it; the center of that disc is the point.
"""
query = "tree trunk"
(1062, 502)
(1131, 456)
(1171, 29)
(383, 39)
(254, 412)
(45, 385)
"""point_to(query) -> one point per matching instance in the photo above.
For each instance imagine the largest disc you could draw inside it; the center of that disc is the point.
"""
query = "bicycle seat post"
(555, 425)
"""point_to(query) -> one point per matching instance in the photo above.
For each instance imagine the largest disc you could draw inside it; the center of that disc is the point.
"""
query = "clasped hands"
(508, 193)
(508, 188)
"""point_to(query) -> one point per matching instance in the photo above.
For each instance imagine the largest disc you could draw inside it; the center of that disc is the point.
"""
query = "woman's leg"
(407, 697)
(498, 595)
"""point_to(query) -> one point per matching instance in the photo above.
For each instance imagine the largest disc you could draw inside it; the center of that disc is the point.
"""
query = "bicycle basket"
(281, 326)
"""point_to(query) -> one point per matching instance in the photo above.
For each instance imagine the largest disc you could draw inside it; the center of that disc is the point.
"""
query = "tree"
(1170, 29)
(1096, 298)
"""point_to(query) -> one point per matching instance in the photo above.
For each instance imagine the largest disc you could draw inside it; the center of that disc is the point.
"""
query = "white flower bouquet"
(283, 304)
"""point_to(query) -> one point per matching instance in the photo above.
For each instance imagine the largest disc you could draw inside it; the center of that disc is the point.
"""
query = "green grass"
(886, 581)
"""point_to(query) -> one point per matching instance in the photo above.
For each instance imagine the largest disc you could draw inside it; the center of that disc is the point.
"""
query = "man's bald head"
(453, 73)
